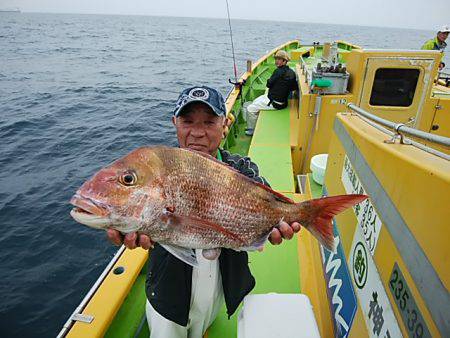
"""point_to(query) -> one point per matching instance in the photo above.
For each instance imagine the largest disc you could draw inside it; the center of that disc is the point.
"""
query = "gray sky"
(420, 14)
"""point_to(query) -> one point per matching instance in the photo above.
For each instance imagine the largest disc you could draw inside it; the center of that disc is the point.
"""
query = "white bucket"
(318, 166)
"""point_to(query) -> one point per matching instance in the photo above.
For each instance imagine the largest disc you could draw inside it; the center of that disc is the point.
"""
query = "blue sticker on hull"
(341, 296)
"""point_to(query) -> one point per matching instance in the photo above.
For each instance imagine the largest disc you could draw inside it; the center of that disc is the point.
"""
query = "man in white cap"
(280, 84)
(438, 43)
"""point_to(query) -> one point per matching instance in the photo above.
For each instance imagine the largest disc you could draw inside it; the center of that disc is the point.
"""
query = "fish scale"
(237, 212)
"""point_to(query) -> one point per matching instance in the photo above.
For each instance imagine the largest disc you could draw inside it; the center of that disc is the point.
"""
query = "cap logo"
(199, 93)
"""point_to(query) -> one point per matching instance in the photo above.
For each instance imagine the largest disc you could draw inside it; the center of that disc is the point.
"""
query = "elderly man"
(438, 43)
(280, 84)
(183, 301)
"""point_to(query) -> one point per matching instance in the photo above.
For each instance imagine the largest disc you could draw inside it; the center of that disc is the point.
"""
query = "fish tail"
(317, 215)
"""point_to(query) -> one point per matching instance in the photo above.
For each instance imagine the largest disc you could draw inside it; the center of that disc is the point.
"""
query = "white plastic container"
(277, 315)
(318, 166)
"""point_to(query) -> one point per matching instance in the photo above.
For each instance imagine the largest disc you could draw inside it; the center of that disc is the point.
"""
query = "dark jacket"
(280, 84)
(169, 280)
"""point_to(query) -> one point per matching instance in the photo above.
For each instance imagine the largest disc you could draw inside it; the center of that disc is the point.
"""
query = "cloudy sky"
(420, 14)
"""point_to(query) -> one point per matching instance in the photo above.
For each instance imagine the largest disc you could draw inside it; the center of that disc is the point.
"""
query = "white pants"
(206, 301)
(260, 103)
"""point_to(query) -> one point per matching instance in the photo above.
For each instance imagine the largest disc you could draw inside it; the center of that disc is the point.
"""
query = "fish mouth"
(89, 212)
(88, 206)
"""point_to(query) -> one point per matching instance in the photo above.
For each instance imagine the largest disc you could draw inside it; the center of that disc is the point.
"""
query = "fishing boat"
(382, 123)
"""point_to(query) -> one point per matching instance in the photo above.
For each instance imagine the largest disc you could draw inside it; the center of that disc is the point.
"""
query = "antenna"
(232, 45)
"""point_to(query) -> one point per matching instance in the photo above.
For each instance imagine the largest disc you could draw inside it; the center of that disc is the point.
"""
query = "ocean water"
(77, 92)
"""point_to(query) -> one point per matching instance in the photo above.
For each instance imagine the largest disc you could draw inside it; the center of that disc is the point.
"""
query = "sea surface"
(77, 92)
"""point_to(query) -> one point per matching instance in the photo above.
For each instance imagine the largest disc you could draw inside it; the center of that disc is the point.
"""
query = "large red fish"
(187, 200)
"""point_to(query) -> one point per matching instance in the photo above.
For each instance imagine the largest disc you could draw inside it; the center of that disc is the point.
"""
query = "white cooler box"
(275, 315)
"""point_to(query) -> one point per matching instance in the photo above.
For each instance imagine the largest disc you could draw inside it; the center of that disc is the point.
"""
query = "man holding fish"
(204, 208)
(199, 119)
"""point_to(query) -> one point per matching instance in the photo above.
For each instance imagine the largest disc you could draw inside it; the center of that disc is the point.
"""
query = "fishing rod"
(232, 46)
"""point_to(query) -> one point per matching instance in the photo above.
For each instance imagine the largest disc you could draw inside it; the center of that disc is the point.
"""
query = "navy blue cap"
(204, 94)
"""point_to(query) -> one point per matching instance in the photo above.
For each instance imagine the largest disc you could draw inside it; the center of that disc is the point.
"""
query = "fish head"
(116, 196)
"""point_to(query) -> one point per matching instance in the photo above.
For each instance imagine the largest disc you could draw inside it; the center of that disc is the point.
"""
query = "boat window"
(394, 87)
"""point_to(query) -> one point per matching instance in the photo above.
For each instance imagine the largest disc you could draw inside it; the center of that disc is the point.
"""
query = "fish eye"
(128, 178)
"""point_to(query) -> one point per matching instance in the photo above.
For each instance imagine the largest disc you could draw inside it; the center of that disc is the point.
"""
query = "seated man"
(183, 301)
(280, 84)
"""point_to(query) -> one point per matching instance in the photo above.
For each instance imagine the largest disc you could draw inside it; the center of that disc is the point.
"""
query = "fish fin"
(197, 222)
(256, 245)
(184, 254)
(211, 158)
(320, 215)
(278, 196)
(211, 254)
(274, 193)
(174, 220)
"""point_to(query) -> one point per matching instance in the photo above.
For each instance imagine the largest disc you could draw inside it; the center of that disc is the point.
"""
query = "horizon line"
(224, 18)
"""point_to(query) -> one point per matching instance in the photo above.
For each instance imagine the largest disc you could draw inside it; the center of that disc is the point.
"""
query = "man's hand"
(283, 231)
(131, 240)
